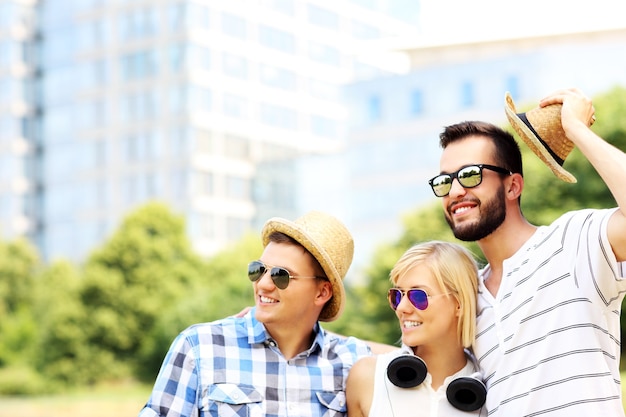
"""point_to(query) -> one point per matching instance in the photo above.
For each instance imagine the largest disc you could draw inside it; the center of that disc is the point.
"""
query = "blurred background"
(143, 144)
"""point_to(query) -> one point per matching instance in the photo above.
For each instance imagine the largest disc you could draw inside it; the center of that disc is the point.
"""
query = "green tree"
(142, 271)
(19, 267)
(65, 356)
(19, 262)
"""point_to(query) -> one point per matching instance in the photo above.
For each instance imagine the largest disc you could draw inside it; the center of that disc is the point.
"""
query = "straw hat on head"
(329, 241)
(541, 129)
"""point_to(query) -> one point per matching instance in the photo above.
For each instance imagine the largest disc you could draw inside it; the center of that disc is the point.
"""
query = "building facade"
(21, 209)
(203, 104)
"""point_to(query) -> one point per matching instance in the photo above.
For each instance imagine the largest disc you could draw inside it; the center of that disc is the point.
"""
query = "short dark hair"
(507, 152)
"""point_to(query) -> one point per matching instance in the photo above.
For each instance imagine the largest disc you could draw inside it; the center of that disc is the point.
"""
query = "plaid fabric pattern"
(232, 367)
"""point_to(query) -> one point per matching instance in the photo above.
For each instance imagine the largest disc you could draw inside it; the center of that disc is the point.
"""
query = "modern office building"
(203, 104)
(20, 122)
(393, 136)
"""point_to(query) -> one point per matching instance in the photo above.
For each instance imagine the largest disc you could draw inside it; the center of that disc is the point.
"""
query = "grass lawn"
(119, 400)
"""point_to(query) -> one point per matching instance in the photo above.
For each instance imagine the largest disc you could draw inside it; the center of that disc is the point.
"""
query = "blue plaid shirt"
(232, 367)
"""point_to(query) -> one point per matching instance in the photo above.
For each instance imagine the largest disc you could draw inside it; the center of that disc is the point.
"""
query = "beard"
(492, 215)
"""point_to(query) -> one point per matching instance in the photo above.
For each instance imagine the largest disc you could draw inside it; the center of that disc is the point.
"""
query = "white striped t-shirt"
(549, 342)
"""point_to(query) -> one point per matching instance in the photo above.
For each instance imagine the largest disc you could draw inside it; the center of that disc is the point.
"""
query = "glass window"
(100, 152)
(374, 109)
(234, 26)
(278, 116)
(151, 186)
(235, 106)
(177, 97)
(512, 85)
(90, 114)
(277, 39)
(283, 6)
(320, 16)
(8, 126)
(467, 94)
(324, 53)
(60, 47)
(364, 31)
(184, 98)
(417, 102)
(101, 193)
(138, 106)
(202, 226)
(277, 77)
(5, 54)
(180, 141)
(5, 205)
(139, 65)
(130, 189)
(91, 74)
(131, 149)
(198, 15)
(90, 34)
(235, 66)
(186, 57)
(138, 23)
(323, 126)
(237, 188)
(178, 183)
(188, 15)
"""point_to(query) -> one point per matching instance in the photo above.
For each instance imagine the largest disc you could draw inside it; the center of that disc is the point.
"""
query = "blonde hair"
(456, 271)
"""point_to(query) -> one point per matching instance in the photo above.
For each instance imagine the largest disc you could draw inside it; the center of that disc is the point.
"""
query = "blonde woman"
(433, 373)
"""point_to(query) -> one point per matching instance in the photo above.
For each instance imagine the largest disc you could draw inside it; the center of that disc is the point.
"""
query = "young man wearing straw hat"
(548, 324)
(275, 360)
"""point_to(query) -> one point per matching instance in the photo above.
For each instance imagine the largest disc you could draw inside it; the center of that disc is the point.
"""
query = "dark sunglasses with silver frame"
(469, 176)
(280, 275)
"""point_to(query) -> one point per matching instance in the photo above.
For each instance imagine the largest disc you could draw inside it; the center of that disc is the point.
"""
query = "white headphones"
(466, 393)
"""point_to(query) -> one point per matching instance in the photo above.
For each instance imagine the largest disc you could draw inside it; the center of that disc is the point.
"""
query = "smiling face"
(435, 326)
(301, 302)
(473, 213)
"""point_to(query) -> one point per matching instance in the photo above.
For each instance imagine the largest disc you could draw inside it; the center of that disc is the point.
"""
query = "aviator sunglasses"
(418, 298)
(469, 176)
(280, 276)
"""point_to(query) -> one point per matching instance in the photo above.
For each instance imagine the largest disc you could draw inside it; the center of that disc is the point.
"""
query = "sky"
(454, 20)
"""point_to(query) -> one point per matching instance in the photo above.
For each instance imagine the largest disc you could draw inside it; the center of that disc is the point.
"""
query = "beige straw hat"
(541, 129)
(329, 241)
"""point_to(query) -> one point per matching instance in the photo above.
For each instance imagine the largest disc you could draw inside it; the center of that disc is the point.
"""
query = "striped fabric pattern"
(232, 367)
(549, 342)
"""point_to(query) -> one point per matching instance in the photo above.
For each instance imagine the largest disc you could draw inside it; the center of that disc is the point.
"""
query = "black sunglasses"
(280, 276)
(418, 298)
(469, 176)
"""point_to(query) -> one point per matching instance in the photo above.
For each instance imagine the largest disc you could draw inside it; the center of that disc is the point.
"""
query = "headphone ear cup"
(467, 393)
(406, 371)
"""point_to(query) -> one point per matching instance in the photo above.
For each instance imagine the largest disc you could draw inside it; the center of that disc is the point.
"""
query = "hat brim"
(533, 142)
(334, 306)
